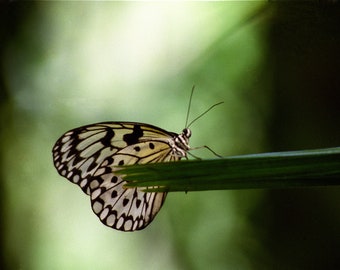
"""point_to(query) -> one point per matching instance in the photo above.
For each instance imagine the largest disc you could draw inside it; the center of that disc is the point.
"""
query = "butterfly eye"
(186, 133)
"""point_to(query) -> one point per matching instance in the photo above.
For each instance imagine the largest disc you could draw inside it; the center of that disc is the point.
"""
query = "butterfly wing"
(88, 155)
(136, 208)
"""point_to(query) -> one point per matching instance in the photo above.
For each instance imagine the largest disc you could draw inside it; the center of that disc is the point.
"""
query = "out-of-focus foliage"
(66, 64)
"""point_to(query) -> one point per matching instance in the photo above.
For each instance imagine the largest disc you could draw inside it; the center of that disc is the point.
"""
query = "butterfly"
(89, 156)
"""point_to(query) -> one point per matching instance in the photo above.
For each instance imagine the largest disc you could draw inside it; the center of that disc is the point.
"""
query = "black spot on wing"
(125, 201)
(106, 140)
(114, 179)
(114, 194)
(138, 202)
(133, 137)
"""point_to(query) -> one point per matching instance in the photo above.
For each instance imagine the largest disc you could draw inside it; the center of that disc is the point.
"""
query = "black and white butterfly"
(88, 155)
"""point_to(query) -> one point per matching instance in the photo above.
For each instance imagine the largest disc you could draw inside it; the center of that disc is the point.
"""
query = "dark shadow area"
(300, 227)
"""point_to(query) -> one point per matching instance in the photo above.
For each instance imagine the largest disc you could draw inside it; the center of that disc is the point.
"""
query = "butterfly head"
(180, 145)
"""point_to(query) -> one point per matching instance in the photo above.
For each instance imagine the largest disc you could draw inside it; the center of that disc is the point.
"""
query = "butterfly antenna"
(203, 112)
(192, 92)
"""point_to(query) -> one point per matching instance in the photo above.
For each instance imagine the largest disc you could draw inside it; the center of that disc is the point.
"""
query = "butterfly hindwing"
(136, 208)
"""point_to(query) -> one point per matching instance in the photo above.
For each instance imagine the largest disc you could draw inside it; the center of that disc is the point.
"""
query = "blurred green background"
(67, 64)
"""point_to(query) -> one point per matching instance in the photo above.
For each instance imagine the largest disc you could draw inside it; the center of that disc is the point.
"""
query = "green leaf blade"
(270, 170)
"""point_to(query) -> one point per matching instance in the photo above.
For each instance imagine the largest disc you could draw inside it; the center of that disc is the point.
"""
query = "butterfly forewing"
(88, 157)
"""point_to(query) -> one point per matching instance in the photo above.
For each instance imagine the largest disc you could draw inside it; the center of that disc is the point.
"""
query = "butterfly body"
(88, 156)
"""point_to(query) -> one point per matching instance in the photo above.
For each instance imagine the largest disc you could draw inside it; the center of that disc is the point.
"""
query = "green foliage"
(270, 170)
